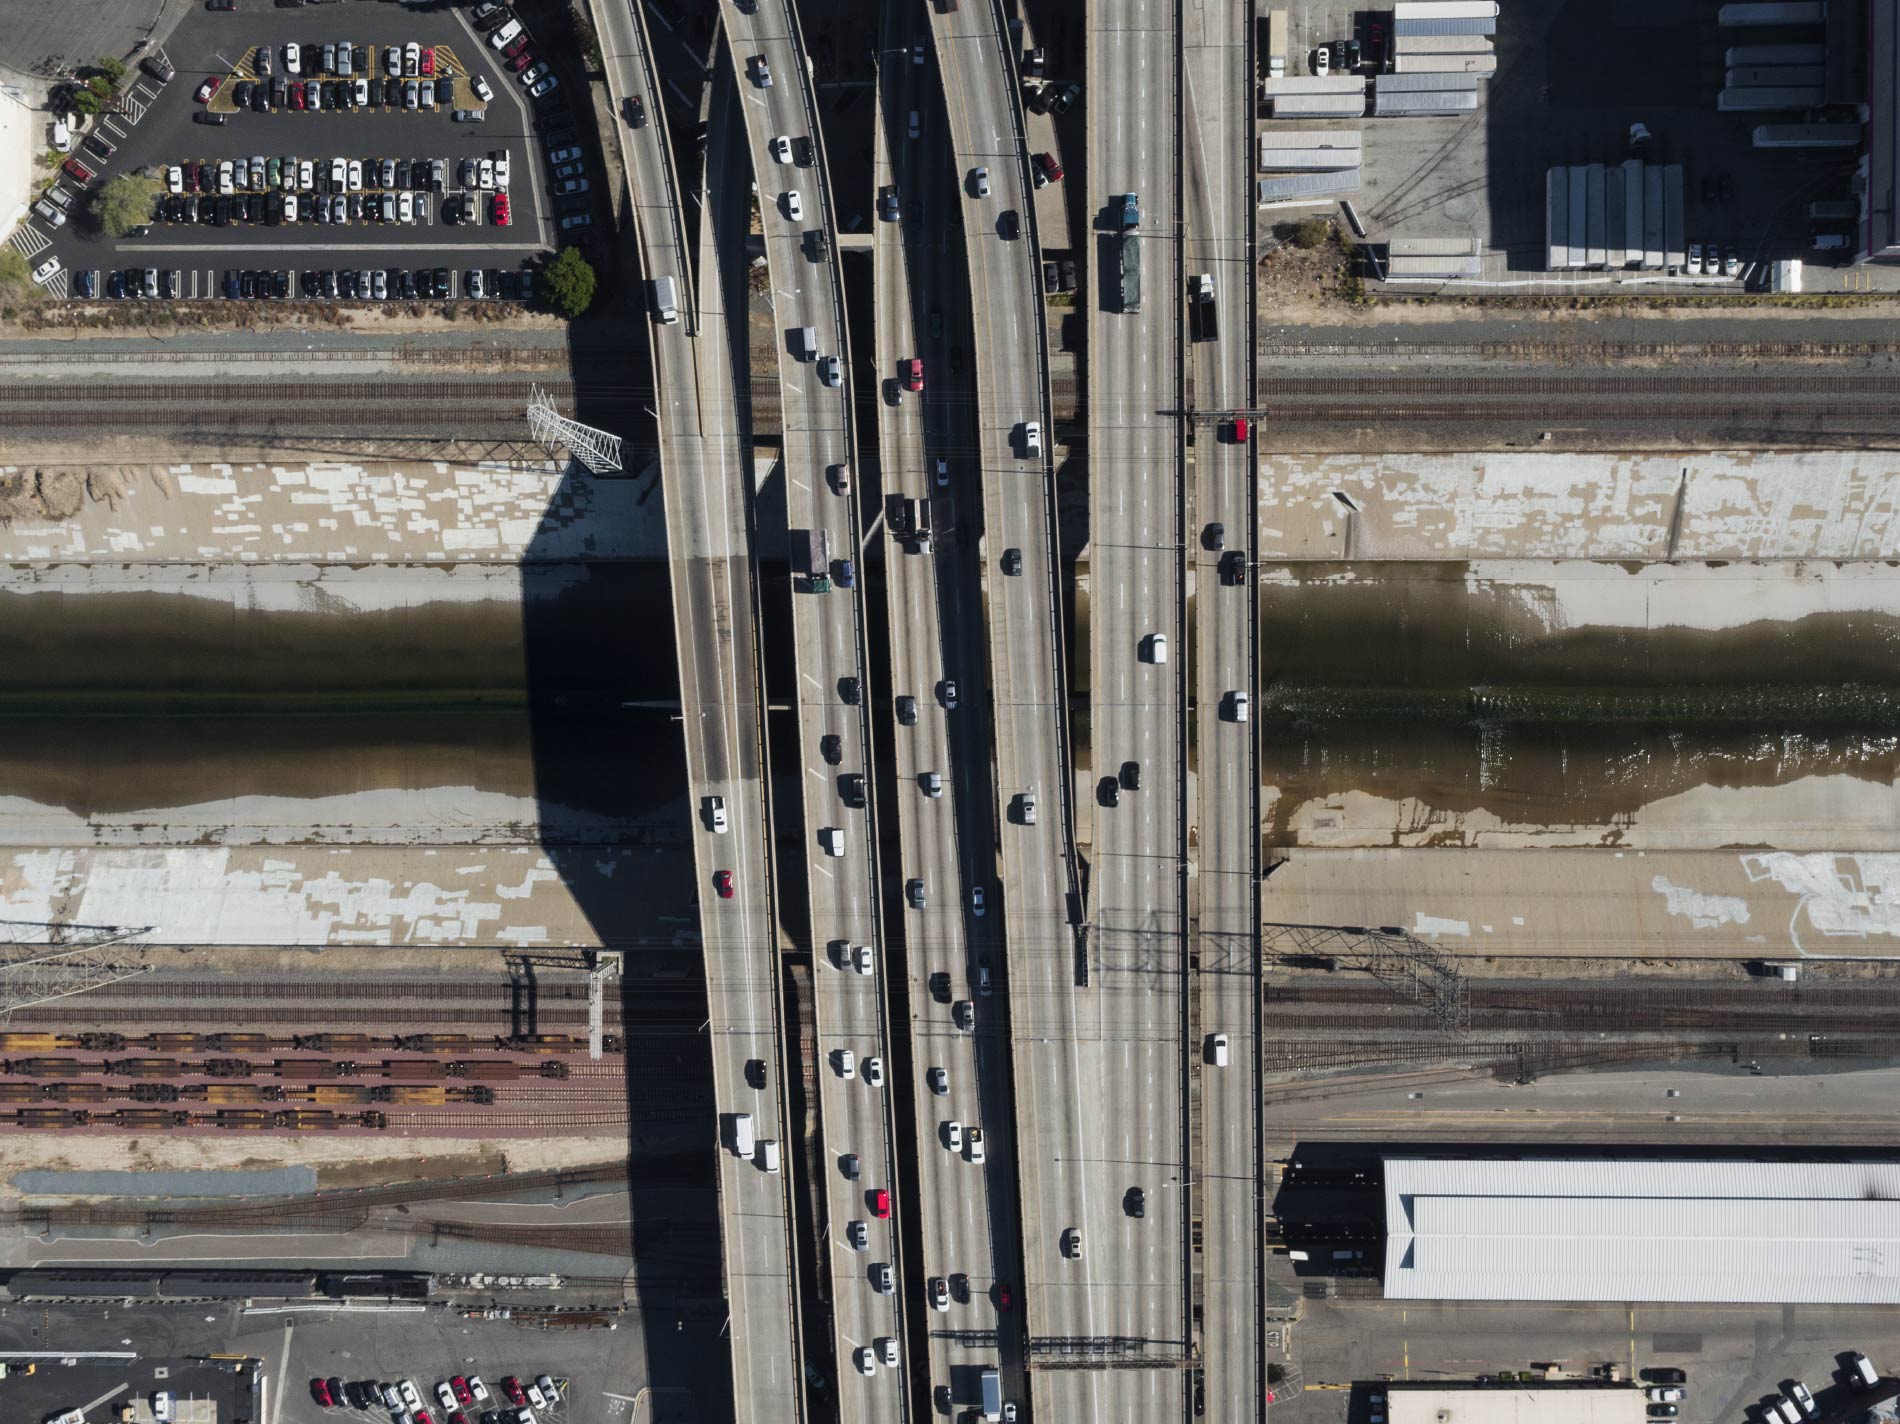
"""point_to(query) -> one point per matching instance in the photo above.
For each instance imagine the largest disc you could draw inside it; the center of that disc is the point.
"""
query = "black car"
(247, 285)
(115, 285)
(1135, 1203)
(280, 285)
(1109, 791)
(407, 285)
(850, 691)
(1214, 537)
(637, 112)
(355, 207)
(241, 96)
(1068, 274)
(402, 173)
(279, 93)
(1663, 1374)
(332, 97)
(205, 116)
(82, 284)
(254, 208)
(445, 91)
(442, 281)
(1036, 98)
(1009, 225)
(260, 99)
(309, 284)
(328, 279)
(1233, 568)
(392, 93)
(273, 208)
(907, 711)
(359, 58)
(1353, 53)
(1051, 277)
(1131, 775)
(168, 284)
(227, 210)
(1012, 562)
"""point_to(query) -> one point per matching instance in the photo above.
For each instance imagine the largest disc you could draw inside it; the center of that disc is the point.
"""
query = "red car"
(1050, 168)
(77, 170)
(1237, 431)
(515, 46)
(881, 1204)
(722, 882)
(511, 1386)
(296, 95)
(521, 61)
(422, 1417)
(208, 88)
(428, 61)
(1003, 1297)
(914, 374)
(502, 219)
(458, 1417)
(320, 1391)
(460, 1386)
(1375, 43)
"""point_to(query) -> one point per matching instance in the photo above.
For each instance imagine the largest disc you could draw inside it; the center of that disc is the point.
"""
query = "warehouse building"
(1675, 1231)
(1533, 1404)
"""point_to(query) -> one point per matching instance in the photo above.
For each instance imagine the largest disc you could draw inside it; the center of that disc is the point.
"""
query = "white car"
(392, 61)
(356, 175)
(794, 204)
(781, 149)
(866, 1361)
(939, 1292)
(412, 59)
(446, 1395)
(864, 959)
(980, 182)
(857, 1235)
(1695, 259)
(847, 1062)
(290, 207)
(939, 1080)
(501, 170)
(974, 1142)
(761, 71)
(536, 1398)
(226, 182)
(1663, 1396)
(406, 207)
(306, 175)
(411, 1396)
(478, 1389)
(1032, 437)
(388, 172)
(533, 74)
(976, 901)
(175, 178)
(874, 1072)
(1323, 60)
(339, 173)
(953, 1136)
(293, 59)
(161, 1406)
(548, 1390)
(481, 87)
(485, 174)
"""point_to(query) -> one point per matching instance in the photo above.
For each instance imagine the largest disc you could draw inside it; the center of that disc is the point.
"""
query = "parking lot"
(363, 193)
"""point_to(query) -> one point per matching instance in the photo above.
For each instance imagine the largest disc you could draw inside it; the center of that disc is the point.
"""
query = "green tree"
(100, 85)
(16, 278)
(113, 70)
(125, 202)
(87, 102)
(570, 282)
(1311, 232)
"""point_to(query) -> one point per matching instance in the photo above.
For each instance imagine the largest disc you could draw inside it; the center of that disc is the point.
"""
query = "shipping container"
(1442, 269)
(1773, 12)
(414, 1095)
(1443, 44)
(1414, 29)
(1276, 43)
(145, 1067)
(55, 1118)
(35, 1042)
(1841, 135)
(1127, 274)
(1776, 76)
(1307, 188)
(1769, 101)
(1655, 218)
(1579, 211)
(1403, 83)
(1310, 138)
(1633, 211)
(438, 1043)
(1483, 65)
(54, 1067)
(1741, 56)
(312, 1120)
(241, 1043)
(1314, 84)
(1308, 160)
(315, 1068)
(1444, 10)
(1557, 219)
(1320, 106)
(1675, 254)
(1424, 103)
(1598, 215)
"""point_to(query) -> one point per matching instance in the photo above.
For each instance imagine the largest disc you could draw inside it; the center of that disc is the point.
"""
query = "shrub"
(570, 282)
(125, 202)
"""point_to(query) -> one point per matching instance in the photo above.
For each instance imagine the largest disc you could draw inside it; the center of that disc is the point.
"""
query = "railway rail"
(1781, 386)
(1583, 351)
(353, 394)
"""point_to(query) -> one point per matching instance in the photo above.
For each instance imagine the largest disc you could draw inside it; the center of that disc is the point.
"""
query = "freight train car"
(489, 1070)
(55, 1067)
(246, 1119)
(413, 1070)
(315, 1068)
(333, 1094)
(542, 1043)
(174, 1042)
(336, 1043)
(241, 1043)
(146, 1068)
(51, 1117)
(140, 1119)
(233, 1093)
(435, 1043)
(58, 1042)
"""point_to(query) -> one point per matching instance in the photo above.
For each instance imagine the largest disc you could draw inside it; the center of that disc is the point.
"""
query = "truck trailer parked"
(1203, 320)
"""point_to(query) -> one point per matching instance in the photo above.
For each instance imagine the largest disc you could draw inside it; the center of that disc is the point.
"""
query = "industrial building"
(1707, 1231)
(1532, 1404)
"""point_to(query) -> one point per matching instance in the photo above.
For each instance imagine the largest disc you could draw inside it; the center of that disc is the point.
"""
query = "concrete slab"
(1726, 504)
(1675, 904)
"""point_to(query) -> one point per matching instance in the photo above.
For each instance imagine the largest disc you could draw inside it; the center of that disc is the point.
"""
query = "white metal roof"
(1795, 1232)
(1622, 1404)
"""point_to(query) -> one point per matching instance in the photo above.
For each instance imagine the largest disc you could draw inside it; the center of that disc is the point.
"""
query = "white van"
(1238, 701)
(768, 1155)
(1864, 1368)
(1217, 1050)
(742, 1139)
(505, 36)
(666, 300)
(832, 839)
(1157, 648)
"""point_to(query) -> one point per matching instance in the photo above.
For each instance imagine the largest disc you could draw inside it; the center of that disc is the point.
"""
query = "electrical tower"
(40, 962)
(1393, 955)
(596, 449)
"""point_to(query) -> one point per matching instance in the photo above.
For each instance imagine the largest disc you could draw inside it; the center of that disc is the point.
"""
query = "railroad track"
(353, 394)
(1585, 351)
(1781, 387)
(85, 1012)
(392, 990)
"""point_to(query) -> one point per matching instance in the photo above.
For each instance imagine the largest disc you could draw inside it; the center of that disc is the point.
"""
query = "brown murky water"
(1442, 698)
(123, 703)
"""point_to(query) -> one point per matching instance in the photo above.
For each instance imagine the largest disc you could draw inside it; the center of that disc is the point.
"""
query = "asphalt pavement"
(856, 1116)
(707, 495)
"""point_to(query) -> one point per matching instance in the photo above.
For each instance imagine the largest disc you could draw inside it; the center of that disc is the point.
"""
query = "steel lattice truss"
(596, 449)
(41, 961)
